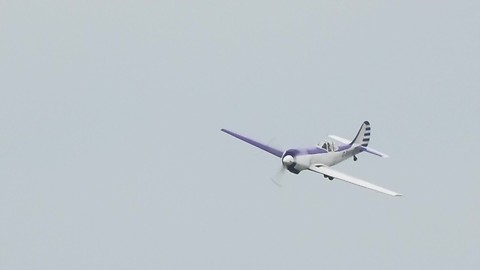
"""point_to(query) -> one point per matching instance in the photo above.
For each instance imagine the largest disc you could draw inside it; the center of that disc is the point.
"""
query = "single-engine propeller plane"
(323, 156)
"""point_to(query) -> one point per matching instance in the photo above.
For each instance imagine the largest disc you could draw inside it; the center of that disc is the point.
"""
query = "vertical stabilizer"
(363, 135)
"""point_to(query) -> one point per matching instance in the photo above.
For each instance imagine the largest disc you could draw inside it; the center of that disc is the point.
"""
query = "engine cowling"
(289, 161)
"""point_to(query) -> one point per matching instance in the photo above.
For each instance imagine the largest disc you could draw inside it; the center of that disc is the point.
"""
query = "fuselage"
(306, 157)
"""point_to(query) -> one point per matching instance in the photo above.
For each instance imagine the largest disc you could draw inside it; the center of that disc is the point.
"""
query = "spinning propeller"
(277, 179)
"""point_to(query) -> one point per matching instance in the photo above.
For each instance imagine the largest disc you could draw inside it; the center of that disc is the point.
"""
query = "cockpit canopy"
(327, 145)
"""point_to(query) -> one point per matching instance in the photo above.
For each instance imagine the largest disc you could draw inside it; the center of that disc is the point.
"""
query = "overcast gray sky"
(111, 155)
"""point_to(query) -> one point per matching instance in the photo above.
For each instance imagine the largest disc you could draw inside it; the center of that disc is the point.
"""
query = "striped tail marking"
(363, 135)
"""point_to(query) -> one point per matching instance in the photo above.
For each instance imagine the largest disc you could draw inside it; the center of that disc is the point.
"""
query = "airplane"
(323, 156)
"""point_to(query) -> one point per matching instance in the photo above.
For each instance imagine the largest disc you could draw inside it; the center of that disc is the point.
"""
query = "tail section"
(361, 140)
(363, 135)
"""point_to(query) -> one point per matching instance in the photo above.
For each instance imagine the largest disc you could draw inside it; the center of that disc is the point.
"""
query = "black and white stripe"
(363, 135)
(366, 136)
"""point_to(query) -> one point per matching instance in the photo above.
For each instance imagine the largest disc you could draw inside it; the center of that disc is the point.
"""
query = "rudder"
(363, 135)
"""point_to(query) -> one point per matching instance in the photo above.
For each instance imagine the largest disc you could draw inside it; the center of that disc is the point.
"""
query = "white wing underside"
(350, 179)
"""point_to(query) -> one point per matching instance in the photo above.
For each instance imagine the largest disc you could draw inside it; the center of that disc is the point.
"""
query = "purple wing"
(271, 150)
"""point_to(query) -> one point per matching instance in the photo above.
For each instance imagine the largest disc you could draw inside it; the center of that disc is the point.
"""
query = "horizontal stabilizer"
(350, 179)
(373, 151)
(340, 139)
(364, 148)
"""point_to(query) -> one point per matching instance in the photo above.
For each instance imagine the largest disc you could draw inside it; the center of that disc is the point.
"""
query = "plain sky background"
(111, 155)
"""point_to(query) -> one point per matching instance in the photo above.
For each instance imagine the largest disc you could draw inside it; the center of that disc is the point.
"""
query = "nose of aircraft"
(288, 160)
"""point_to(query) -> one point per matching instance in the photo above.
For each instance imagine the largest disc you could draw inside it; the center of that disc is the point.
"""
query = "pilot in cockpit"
(327, 146)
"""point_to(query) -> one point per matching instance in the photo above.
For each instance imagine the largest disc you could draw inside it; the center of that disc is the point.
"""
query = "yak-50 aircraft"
(323, 156)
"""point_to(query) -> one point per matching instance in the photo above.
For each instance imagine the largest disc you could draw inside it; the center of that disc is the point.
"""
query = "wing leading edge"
(264, 147)
(350, 179)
